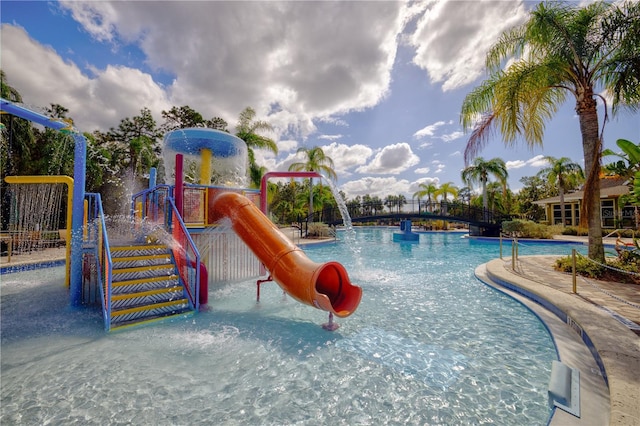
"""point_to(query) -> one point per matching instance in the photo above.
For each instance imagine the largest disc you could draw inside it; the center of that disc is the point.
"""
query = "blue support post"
(77, 218)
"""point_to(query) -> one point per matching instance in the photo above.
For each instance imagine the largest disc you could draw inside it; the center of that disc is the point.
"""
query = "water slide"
(323, 285)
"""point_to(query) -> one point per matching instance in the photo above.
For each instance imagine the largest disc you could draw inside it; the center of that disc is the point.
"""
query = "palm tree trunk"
(591, 145)
(485, 201)
(311, 198)
(562, 215)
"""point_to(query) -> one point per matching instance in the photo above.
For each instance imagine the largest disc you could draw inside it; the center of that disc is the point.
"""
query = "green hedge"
(526, 229)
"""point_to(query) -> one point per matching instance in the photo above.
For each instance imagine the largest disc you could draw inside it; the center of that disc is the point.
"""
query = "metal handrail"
(153, 202)
(102, 252)
(190, 280)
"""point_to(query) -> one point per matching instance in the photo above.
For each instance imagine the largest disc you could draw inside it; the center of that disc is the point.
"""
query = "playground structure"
(159, 272)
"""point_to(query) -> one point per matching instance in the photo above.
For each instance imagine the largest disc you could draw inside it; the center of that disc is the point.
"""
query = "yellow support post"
(85, 221)
(573, 271)
(206, 155)
(205, 166)
(54, 179)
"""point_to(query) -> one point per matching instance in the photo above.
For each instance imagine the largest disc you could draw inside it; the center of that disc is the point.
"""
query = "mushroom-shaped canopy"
(228, 159)
(194, 140)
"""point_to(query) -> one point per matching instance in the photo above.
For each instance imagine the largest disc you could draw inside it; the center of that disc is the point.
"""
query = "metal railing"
(151, 203)
(157, 205)
(424, 210)
(185, 254)
(96, 242)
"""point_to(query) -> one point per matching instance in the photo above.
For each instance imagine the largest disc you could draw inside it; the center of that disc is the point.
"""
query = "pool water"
(429, 344)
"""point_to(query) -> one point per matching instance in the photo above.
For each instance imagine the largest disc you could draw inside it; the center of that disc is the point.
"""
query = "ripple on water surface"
(429, 344)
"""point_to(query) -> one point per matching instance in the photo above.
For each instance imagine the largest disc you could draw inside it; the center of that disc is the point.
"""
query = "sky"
(378, 85)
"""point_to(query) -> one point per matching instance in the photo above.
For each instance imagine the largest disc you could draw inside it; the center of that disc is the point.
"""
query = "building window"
(557, 216)
(607, 213)
(628, 217)
(568, 219)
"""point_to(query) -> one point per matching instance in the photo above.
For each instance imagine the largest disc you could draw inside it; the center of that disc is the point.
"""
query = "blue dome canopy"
(194, 140)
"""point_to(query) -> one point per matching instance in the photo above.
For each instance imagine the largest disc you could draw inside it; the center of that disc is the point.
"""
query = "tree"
(55, 155)
(561, 50)
(16, 140)
(480, 171)
(426, 190)
(185, 116)
(534, 189)
(629, 169)
(561, 172)
(138, 137)
(446, 189)
(315, 161)
(247, 129)
(629, 162)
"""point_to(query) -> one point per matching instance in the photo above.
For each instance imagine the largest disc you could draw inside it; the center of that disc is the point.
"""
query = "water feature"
(429, 344)
(35, 214)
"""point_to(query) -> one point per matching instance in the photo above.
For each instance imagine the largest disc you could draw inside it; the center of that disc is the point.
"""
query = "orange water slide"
(323, 285)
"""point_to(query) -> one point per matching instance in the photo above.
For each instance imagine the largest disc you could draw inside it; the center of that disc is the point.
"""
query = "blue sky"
(378, 85)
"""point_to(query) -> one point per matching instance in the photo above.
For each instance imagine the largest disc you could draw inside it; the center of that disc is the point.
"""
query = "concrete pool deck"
(603, 314)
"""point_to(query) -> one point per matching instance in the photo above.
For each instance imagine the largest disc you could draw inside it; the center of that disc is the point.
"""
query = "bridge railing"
(455, 210)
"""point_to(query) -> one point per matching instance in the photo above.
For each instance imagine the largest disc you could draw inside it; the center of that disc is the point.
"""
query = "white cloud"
(422, 170)
(452, 37)
(261, 62)
(287, 145)
(428, 130)
(330, 137)
(537, 161)
(346, 157)
(452, 136)
(516, 164)
(100, 102)
(392, 159)
(376, 186)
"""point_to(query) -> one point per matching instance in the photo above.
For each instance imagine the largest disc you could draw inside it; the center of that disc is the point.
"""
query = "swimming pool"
(429, 344)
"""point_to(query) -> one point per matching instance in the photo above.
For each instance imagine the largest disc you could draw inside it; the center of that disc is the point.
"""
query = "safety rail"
(151, 203)
(185, 254)
(157, 204)
(419, 209)
(95, 239)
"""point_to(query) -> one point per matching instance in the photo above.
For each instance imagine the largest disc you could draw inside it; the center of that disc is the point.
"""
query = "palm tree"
(559, 173)
(480, 171)
(316, 161)
(247, 129)
(446, 189)
(561, 50)
(628, 167)
(629, 162)
(426, 190)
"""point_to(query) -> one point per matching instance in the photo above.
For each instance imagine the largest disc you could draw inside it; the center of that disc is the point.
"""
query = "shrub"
(572, 230)
(318, 230)
(526, 229)
(583, 266)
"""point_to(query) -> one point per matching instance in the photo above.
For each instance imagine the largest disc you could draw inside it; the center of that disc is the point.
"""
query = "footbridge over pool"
(481, 222)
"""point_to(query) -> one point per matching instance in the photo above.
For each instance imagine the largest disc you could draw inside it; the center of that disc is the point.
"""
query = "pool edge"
(615, 348)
